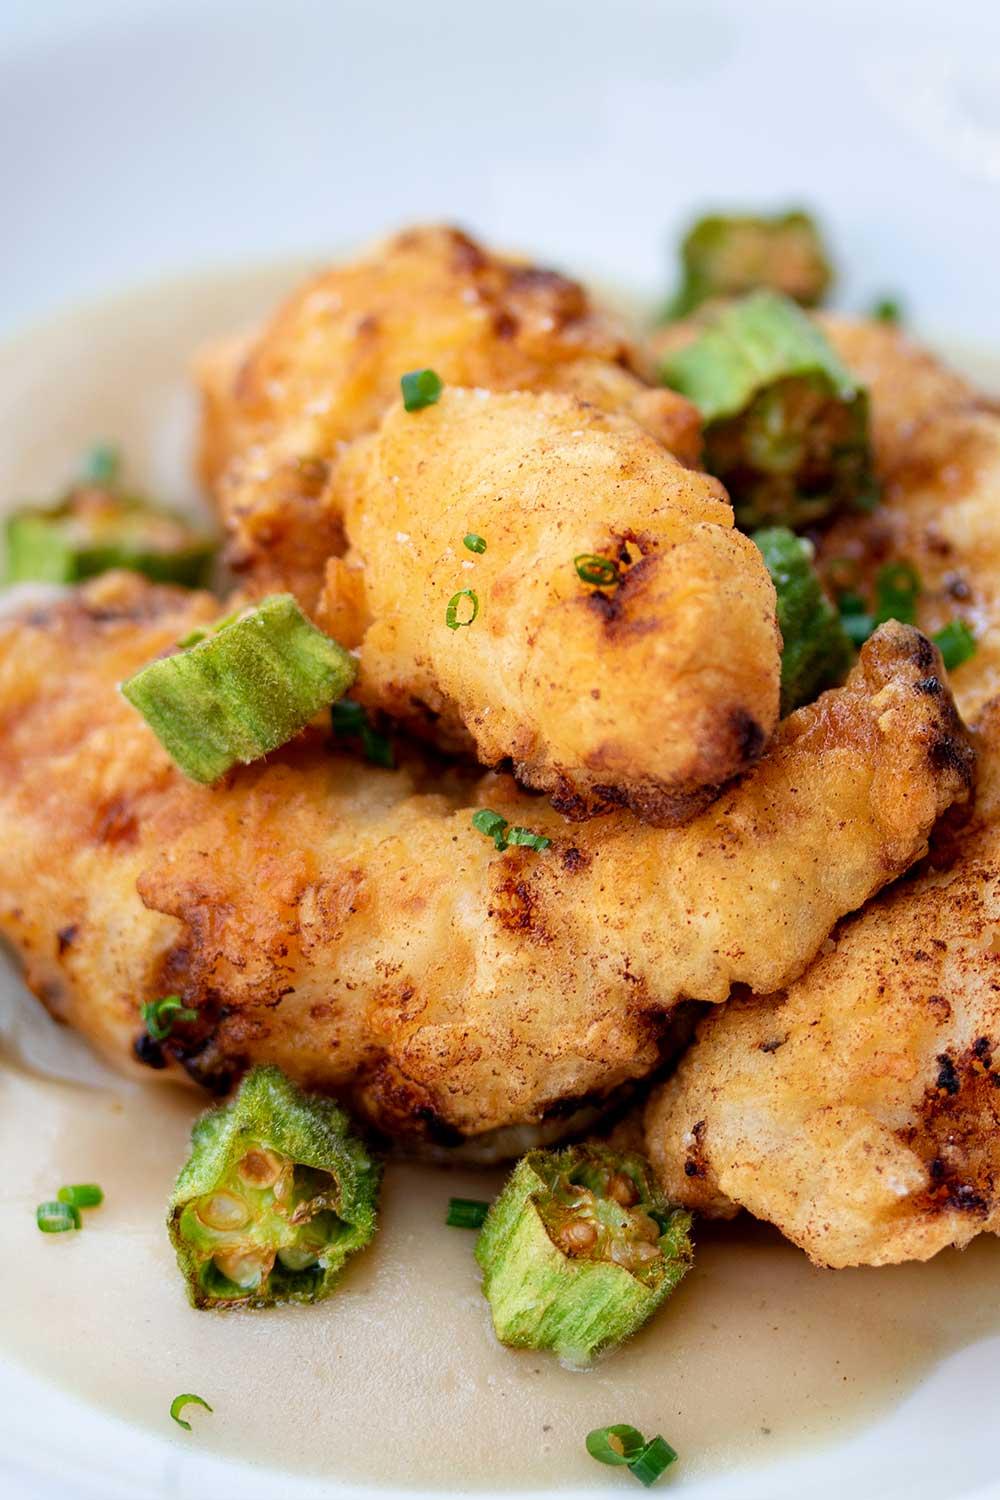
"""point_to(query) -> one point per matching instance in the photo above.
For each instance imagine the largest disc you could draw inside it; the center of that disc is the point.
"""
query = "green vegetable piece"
(579, 1250)
(499, 830)
(56, 1218)
(616, 1445)
(95, 529)
(887, 310)
(956, 643)
(102, 465)
(349, 718)
(786, 428)
(420, 388)
(601, 571)
(451, 618)
(651, 1462)
(159, 1016)
(178, 1404)
(243, 691)
(816, 650)
(897, 593)
(466, 1213)
(81, 1195)
(276, 1195)
(728, 255)
(473, 542)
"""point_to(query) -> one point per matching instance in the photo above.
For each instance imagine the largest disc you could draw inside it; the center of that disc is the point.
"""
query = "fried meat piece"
(351, 924)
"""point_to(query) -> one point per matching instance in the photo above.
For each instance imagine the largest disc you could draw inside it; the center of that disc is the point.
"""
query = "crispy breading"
(351, 925)
(860, 1109)
(906, 383)
(647, 694)
(938, 452)
(328, 364)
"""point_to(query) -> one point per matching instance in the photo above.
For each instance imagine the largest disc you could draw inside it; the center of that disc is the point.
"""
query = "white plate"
(141, 138)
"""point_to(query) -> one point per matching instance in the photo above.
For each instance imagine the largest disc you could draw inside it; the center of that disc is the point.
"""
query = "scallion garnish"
(897, 590)
(421, 388)
(178, 1404)
(101, 465)
(955, 642)
(159, 1016)
(56, 1218)
(451, 613)
(466, 1213)
(348, 717)
(888, 310)
(623, 1445)
(654, 1458)
(527, 838)
(490, 823)
(81, 1195)
(499, 830)
(602, 571)
(897, 593)
(473, 542)
(616, 1445)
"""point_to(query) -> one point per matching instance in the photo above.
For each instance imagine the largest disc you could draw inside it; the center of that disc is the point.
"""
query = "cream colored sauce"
(398, 1378)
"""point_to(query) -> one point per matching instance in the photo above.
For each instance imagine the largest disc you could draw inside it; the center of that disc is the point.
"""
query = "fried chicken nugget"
(649, 693)
(276, 407)
(859, 1110)
(938, 452)
(351, 925)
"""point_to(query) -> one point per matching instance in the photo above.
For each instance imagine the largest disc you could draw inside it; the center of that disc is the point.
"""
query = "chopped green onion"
(56, 1218)
(887, 310)
(497, 828)
(492, 824)
(159, 1016)
(421, 388)
(377, 749)
(246, 690)
(897, 590)
(473, 542)
(616, 1445)
(101, 465)
(527, 838)
(651, 1462)
(451, 613)
(348, 717)
(178, 1404)
(858, 626)
(956, 643)
(602, 571)
(81, 1195)
(466, 1213)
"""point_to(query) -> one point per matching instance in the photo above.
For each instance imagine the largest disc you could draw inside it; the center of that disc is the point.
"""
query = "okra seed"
(622, 1189)
(644, 1227)
(223, 1211)
(295, 1259)
(644, 1252)
(577, 1237)
(261, 1168)
(245, 1268)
